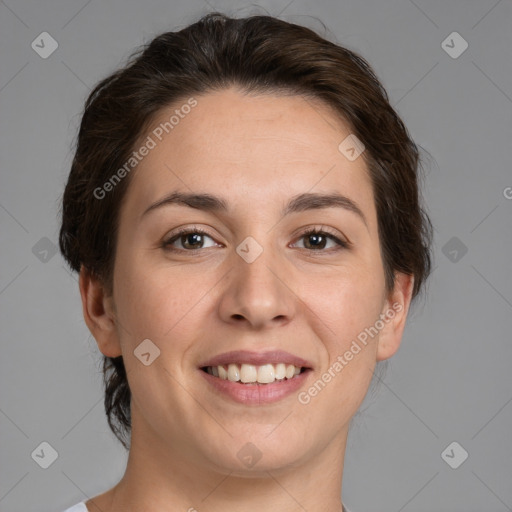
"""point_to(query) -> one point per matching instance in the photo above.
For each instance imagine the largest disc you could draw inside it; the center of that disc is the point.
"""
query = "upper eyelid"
(339, 239)
(315, 227)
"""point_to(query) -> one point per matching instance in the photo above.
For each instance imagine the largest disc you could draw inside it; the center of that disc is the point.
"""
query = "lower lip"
(257, 394)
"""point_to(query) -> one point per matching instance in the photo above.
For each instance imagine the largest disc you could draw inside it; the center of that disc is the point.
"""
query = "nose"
(257, 293)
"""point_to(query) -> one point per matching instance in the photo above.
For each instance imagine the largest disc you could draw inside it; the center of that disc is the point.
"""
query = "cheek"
(349, 302)
(159, 301)
(155, 304)
(348, 308)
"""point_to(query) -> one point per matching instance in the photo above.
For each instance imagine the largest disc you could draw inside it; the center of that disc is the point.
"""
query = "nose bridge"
(256, 290)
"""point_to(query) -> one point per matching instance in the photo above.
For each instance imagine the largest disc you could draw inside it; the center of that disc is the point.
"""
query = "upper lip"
(256, 358)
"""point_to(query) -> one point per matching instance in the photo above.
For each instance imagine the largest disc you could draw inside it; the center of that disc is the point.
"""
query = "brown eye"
(190, 240)
(316, 240)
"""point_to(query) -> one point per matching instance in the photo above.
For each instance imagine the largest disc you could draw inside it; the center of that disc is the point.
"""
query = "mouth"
(255, 374)
(253, 378)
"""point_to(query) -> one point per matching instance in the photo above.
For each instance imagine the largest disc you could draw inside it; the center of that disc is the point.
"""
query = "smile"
(249, 373)
(255, 393)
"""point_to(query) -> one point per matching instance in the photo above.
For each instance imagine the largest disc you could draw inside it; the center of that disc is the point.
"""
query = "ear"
(99, 313)
(396, 307)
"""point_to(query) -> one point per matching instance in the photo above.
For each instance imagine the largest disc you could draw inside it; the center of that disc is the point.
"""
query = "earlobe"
(396, 308)
(99, 313)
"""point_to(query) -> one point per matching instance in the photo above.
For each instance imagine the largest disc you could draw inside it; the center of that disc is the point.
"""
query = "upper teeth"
(246, 373)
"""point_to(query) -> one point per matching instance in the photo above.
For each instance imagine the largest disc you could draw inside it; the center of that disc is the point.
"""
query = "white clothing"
(80, 507)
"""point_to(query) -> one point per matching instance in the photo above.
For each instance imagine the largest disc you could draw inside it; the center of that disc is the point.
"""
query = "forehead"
(264, 148)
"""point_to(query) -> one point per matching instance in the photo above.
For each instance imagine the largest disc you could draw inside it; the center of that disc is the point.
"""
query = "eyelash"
(308, 232)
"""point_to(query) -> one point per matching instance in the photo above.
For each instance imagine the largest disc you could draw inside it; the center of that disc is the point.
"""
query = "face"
(250, 280)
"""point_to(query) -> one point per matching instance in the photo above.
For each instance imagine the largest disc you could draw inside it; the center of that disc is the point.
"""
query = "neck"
(158, 477)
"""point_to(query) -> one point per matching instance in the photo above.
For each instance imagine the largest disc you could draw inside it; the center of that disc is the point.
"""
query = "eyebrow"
(299, 203)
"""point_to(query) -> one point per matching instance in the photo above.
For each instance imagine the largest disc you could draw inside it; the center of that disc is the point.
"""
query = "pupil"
(316, 237)
(187, 238)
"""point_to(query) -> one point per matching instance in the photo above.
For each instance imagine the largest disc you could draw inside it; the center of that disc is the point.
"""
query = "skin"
(256, 151)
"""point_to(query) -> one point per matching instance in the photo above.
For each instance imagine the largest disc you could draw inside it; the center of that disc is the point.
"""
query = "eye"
(316, 240)
(190, 238)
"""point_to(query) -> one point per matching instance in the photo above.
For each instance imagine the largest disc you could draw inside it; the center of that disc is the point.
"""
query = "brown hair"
(258, 54)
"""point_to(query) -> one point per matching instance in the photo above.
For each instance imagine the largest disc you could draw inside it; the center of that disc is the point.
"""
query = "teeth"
(249, 373)
(280, 371)
(266, 373)
(233, 373)
(223, 373)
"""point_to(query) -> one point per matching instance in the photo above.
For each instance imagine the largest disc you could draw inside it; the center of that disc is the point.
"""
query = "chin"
(256, 453)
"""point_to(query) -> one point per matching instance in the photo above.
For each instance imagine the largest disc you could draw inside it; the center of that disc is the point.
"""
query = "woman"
(244, 214)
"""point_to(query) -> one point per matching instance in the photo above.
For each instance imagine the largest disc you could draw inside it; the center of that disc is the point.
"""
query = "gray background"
(450, 380)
